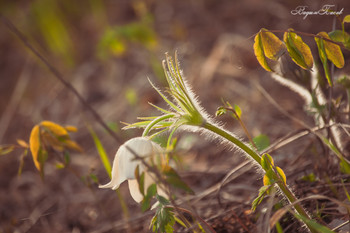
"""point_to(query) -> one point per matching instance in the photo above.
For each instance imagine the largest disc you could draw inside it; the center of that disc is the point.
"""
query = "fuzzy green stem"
(234, 140)
(286, 191)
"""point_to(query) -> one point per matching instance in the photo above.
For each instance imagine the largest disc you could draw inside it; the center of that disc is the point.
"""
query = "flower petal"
(124, 163)
(135, 191)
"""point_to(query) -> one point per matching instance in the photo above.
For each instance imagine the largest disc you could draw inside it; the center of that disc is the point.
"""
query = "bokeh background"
(107, 50)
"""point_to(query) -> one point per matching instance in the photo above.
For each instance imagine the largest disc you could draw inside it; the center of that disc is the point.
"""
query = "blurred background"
(107, 50)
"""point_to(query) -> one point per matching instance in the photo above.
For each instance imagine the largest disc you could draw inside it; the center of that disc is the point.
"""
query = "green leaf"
(101, 151)
(312, 223)
(273, 47)
(261, 141)
(346, 19)
(310, 177)
(259, 52)
(333, 51)
(175, 180)
(298, 50)
(146, 202)
(323, 57)
(261, 195)
(220, 111)
(344, 166)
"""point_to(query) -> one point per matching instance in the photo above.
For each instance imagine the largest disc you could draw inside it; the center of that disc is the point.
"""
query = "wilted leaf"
(298, 50)
(346, 19)
(261, 142)
(259, 52)
(273, 47)
(54, 128)
(34, 143)
(333, 51)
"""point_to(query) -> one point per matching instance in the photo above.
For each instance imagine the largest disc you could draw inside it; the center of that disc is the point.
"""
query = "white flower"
(125, 163)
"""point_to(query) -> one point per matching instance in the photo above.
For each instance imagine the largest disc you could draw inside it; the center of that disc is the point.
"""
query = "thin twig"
(58, 75)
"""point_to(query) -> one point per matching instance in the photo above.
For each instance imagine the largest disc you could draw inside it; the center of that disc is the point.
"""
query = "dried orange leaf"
(71, 128)
(298, 50)
(22, 143)
(333, 51)
(52, 141)
(54, 128)
(34, 143)
(259, 52)
(73, 145)
(273, 47)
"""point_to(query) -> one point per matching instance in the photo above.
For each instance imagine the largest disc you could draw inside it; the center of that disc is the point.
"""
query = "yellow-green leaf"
(281, 174)
(273, 47)
(346, 19)
(323, 57)
(298, 50)
(34, 143)
(333, 51)
(266, 161)
(6, 149)
(259, 52)
(54, 128)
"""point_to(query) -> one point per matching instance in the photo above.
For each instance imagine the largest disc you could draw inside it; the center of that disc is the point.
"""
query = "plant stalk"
(286, 191)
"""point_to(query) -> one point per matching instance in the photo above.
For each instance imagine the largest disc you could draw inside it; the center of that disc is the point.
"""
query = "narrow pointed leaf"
(298, 50)
(259, 52)
(333, 51)
(258, 200)
(101, 151)
(273, 47)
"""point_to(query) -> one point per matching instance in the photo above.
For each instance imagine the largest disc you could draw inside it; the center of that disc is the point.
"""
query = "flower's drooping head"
(127, 158)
